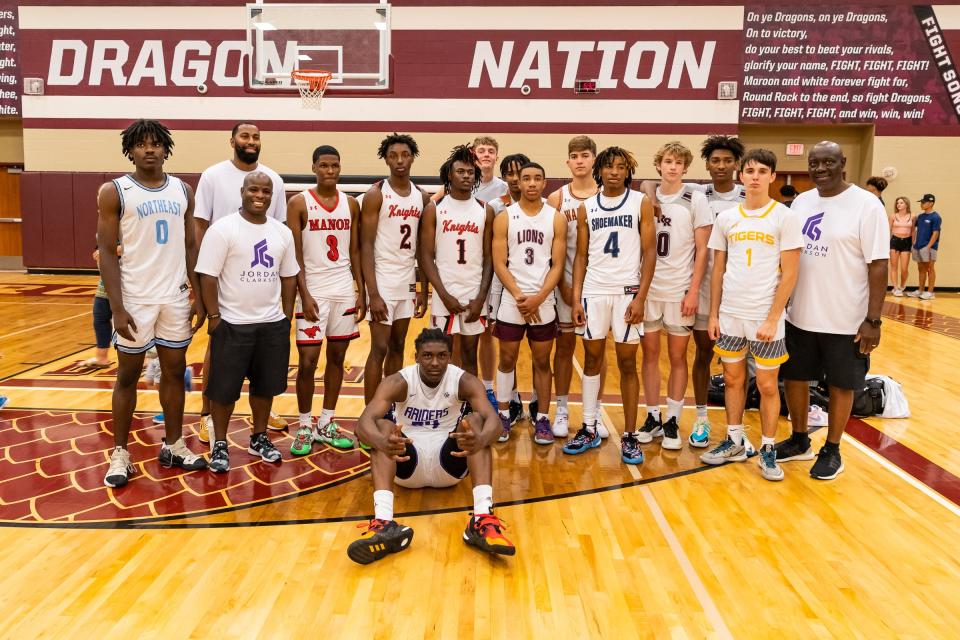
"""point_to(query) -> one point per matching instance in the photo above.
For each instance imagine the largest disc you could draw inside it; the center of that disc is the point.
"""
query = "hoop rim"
(310, 75)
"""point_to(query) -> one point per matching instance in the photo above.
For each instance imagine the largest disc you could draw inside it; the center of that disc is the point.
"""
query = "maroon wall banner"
(9, 65)
(843, 64)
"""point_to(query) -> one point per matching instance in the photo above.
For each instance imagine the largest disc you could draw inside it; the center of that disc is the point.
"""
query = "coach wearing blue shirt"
(926, 239)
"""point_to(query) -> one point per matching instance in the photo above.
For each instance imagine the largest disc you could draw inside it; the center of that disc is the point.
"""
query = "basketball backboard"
(350, 40)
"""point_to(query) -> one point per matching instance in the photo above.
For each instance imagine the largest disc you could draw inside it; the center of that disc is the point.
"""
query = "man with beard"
(218, 195)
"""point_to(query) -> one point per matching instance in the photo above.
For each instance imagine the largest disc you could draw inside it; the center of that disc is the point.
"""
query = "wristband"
(213, 316)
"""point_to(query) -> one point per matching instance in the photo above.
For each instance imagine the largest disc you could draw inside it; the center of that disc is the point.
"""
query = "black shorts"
(454, 466)
(834, 356)
(258, 352)
(510, 332)
(902, 245)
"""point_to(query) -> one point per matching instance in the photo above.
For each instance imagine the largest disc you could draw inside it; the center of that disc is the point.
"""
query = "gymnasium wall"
(457, 71)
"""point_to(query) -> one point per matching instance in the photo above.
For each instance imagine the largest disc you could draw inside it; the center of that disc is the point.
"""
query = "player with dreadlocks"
(455, 240)
(150, 214)
(389, 227)
(612, 272)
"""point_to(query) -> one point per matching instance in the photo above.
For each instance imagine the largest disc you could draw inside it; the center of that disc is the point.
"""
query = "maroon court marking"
(52, 465)
(922, 318)
(906, 459)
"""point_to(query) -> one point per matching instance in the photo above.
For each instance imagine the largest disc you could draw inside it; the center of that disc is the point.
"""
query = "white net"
(312, 85)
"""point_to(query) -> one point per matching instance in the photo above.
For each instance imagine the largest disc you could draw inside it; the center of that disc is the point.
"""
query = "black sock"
(204, 415)
(831, 447)
(801, 438)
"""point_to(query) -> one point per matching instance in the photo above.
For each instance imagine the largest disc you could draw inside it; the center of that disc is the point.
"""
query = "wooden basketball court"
(670, 549)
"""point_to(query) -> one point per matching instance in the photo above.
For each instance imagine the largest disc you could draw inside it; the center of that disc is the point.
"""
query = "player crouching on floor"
(431, 445)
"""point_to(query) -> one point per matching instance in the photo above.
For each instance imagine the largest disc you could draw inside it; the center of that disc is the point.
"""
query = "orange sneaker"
(485, 532)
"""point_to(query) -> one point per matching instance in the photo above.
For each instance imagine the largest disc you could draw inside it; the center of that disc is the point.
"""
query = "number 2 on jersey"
(334, 253)
(405, 237)
(613, 244)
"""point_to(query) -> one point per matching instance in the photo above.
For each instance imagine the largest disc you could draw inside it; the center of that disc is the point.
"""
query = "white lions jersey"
(613, 256)
(395, 247)
(427, 409)
(681, 214)
(459, 249)
(153, 267)
(530, 247)
(569, 207)
(326, 248)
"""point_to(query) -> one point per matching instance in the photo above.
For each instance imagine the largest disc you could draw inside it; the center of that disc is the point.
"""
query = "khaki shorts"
(924, 255)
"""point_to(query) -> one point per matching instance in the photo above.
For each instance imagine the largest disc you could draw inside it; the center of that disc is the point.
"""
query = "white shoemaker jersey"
(326, 248)
(569, 207)
(459, 247)
(681, 214)
(430, 409)
(395, 247)
(530, 247)
(613, 254)
(153, 267)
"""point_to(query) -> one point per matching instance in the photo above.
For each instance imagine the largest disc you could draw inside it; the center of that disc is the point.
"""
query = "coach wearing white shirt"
(833, 320)
(218, 195)
(247, 268)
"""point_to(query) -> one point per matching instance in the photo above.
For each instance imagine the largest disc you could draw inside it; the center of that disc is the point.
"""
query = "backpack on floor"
(869, 400)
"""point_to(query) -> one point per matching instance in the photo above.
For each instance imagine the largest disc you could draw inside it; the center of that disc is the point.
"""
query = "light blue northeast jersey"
(153, 266)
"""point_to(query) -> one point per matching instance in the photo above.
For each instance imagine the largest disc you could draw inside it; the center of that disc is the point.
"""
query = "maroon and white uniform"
(529, 257)
(459, 257)
(328, 272)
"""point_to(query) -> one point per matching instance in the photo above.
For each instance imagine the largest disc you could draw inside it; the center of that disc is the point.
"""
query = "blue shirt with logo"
(927, 223)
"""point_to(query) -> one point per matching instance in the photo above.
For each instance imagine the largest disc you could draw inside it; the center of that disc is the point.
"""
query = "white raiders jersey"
(530, 247)
(681, 214)
(153, 267)
(326, 248)
(613, 254)
(459, 247)
(430, 410)
(395, 247)
(569, 207)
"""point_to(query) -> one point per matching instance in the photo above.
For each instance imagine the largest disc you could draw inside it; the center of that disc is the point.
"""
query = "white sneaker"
(898, 293)
(700, 436)
(602, 430)
(120, 468)
(913, 294)
(561, 425)
(927, 295)
(817, 416)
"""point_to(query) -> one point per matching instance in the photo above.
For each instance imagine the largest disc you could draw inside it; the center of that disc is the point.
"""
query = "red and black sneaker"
(381, 538)
(485, 532)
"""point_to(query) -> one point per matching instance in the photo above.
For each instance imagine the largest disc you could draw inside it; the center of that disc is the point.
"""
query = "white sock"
(482, 499)
(306, 419)
(383, 505)
(764, 441)
(653, 411)
(488, 385)
(674, 408)
(591, 393)
(505, 413)
(516, 397)
(562, 405)
(541, 415)
(735, 431)
(701, 411)
(533, 396)
(326, 417)
(504, 386)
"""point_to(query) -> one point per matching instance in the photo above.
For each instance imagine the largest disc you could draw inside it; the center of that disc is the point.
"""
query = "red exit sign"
(585, 86)
(794, 148)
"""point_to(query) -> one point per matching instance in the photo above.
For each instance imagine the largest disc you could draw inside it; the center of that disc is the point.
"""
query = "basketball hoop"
(312, 85)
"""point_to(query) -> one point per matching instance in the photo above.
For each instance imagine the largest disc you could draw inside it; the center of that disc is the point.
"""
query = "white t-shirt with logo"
(753, 240)
(842, 235)
(218, 192)
(248, 260)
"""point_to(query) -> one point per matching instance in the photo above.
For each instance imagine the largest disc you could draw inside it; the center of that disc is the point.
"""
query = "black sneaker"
(516, 411)
(793, 449)
(220, 457)
(534, 408)
(177, 455)
(381, 538)
(828, 465)
(652, 428)
(261, 445)
(671, 435)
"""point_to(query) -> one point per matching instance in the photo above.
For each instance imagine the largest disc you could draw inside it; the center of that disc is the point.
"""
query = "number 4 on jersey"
(613, 244)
